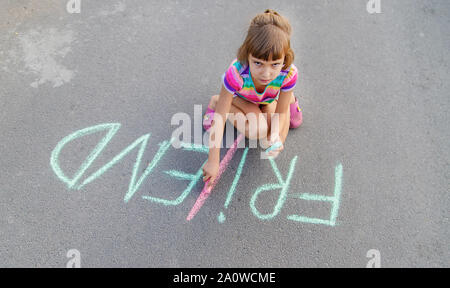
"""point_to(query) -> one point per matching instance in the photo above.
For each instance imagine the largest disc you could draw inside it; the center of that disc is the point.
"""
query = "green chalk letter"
(112, 127)
(283, 185)
(180, 175)
(335, 200)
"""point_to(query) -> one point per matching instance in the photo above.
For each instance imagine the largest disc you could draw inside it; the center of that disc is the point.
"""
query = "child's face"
(263, 72)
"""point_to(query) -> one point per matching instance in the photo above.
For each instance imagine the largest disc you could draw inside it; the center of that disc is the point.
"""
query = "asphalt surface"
(374, 89)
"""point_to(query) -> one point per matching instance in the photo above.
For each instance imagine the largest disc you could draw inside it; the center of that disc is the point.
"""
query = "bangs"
(271, 43)
(268, 39)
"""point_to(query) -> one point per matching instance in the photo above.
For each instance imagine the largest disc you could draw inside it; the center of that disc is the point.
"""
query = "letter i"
(221, 218)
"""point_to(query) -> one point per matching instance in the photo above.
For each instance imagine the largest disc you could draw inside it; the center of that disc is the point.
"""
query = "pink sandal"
(208, 118)
(296, 115)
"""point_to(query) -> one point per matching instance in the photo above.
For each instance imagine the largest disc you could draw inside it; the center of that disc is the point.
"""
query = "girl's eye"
(259, 64)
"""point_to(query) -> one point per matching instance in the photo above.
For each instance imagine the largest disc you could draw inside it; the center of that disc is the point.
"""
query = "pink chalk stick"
(222, 167)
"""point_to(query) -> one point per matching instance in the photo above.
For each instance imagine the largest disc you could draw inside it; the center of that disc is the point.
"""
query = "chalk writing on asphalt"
(281, 186)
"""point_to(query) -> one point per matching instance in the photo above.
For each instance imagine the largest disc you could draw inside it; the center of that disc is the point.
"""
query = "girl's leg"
(270, 110)
(247, 114)
(285, 130)
(238, 119)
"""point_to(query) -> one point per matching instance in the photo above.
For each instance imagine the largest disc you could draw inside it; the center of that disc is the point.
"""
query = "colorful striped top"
(238, 81)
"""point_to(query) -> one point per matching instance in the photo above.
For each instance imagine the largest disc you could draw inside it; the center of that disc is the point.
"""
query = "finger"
(279, 149)
(273, 153)
(274, 147)
(210, 183)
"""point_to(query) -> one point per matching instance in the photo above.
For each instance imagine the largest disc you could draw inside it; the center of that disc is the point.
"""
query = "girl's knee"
(257, 129)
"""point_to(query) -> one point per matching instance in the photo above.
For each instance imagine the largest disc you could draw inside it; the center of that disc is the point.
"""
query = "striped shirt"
(238, 81)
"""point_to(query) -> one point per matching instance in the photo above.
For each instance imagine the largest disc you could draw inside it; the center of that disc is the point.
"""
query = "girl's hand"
(273, 151)
(210, 172)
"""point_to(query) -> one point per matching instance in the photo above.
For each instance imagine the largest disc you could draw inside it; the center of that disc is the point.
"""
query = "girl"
(259, 81)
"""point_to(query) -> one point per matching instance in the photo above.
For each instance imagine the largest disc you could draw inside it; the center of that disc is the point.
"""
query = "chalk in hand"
(207, 190)
(274, 146)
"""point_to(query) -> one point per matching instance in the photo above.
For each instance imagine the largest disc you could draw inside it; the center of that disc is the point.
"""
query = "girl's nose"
(266, 73)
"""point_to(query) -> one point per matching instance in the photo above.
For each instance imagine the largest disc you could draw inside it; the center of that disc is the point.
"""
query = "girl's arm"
(284, 101)
(222, 108)
(277, 138)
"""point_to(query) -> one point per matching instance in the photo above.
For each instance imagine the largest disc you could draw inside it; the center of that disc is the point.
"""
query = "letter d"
(74, 6)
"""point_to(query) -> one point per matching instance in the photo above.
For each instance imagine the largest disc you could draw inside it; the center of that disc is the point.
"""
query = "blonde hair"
(269, 35)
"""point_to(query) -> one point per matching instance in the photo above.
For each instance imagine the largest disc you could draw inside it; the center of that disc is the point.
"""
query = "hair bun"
(270, 11)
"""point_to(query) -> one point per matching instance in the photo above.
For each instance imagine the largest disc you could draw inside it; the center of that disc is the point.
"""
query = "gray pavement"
(374, 90)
